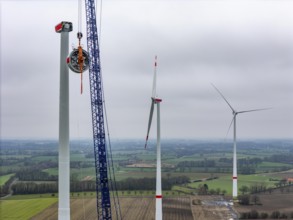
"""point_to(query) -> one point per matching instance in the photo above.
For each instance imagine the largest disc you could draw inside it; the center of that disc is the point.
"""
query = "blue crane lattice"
(96, 93)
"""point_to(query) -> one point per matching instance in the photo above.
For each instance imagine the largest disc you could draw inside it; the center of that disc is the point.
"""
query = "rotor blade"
(230, 126)
(223, 97)
(155, 79)
(150, 122)
(254, 110)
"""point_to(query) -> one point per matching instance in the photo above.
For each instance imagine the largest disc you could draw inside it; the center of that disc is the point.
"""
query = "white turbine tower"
(64, 156)
(157, 101)
(234, 112)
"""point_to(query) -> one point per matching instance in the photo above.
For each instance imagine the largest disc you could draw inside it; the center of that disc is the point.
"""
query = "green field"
(11, 168)
(225, 182)
(271, 166)
(6, 157)
(5, 178)
(130, 160)
(24, 208)
(45, 158)
(80, 173)
(51, 171)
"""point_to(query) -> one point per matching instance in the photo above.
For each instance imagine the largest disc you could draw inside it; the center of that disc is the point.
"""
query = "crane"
(96, 96)
(82, 59)
(78, 61)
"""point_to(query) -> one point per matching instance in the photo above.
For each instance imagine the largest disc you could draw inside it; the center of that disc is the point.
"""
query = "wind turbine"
(156, 101)
(235, 113)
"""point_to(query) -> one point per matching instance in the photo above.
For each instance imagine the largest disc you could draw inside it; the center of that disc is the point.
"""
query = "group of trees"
(7, 171)
(283, 182)
(5, 189)
(202, 163)
(203, 189)
(87, 186)
(150, 183)
(280, 158)
(34, 188)
(253, 214)
(249, 199)
(249, 165)
(255, 188)
(262, 188)
(80, 164)
(245, 165)
(35, 175)
(242, 161)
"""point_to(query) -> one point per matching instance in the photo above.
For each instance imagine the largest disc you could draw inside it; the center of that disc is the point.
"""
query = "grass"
(5, 178)
(32, 196)
(45, 158)
(182, 189)
(225, 182)
(184, 158)
(10, 168)
(12, 157)
(80, 157)
(124, 174)
(24, 208)
(42, 197)
(81, 173)
(51, 171)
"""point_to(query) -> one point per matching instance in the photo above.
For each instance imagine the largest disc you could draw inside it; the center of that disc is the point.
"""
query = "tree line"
(90, 186)
(34, 188)
(253, 214)
(203, 163)
(245, 165)
(5, 189)
(34, 175)
(280, 158)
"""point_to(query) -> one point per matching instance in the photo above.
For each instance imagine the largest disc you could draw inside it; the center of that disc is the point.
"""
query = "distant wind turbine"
(234, 112)
(156, 100)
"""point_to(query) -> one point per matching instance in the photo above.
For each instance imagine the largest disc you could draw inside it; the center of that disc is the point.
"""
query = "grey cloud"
(248, 58)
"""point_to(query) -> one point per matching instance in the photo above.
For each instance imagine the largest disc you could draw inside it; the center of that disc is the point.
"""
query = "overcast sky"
(245, 48)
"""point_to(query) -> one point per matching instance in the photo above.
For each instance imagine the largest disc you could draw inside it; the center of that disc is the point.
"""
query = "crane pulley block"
(79, 35)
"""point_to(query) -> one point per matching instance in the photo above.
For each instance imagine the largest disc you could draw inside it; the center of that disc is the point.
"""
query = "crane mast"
(96, 95)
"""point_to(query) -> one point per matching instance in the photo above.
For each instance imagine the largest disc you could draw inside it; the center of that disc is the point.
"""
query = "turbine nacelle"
(156, 100)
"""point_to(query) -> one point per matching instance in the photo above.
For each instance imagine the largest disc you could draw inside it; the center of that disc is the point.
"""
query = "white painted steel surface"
(159, 212)
(64, 171)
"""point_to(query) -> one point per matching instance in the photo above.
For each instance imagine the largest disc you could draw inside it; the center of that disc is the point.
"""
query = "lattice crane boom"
(96, 93)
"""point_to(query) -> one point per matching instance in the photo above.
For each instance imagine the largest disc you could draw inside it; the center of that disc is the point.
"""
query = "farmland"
(279, 200)
(197, 160)
(205, 207)
(132, 208)
(187, 165)
(224, 182)
(5, 178)
(24, 208)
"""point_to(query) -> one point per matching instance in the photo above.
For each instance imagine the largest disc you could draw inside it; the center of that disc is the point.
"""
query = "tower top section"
(63, 26)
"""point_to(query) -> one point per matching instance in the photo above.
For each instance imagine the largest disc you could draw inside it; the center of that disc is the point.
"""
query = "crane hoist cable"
(78, 60)
(80, 54)
(79, 15)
